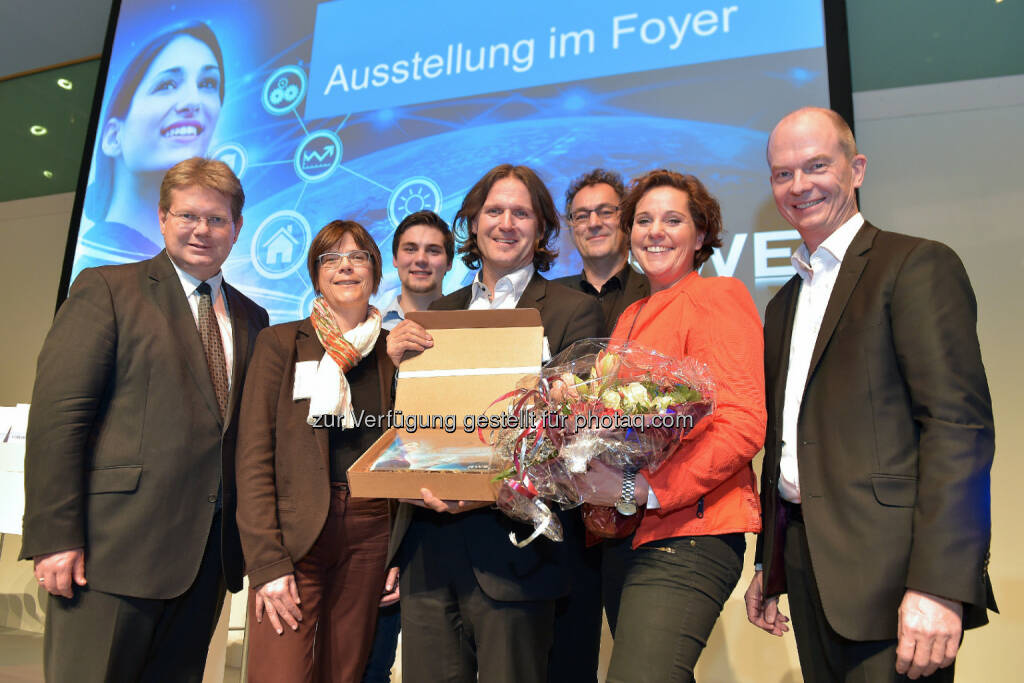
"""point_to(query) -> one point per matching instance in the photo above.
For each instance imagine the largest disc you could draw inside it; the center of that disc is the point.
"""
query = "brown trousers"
(340, 582)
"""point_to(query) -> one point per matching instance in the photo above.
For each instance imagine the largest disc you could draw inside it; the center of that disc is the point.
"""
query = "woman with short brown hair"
(314, 555)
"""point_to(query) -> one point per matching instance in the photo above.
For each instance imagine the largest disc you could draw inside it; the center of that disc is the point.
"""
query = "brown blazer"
(126, 447)
(895, 437)
(282, 463)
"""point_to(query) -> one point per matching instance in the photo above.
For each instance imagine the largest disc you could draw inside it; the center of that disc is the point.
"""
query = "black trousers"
(452, 632)
(673, 593)
(616, 555)
(96, 636)
(577, 645)
(826, 656)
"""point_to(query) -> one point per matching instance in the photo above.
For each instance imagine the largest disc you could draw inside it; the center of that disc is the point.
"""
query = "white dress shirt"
(392, 314)
(507, 290)
(220, 309)
(818, 272)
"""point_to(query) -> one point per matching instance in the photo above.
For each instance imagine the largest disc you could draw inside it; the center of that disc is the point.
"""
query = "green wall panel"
(896, 43)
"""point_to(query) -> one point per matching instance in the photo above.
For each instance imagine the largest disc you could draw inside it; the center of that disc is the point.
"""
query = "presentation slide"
(370, 111)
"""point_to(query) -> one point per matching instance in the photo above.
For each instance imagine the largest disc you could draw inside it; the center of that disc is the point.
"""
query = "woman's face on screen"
(175, 108)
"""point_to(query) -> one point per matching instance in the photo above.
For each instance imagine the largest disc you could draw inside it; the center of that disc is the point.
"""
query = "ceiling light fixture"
(37, 130)
(65, 83)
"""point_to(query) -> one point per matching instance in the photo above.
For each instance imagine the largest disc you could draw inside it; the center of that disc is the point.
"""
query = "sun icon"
(415, 199)
(412, 195)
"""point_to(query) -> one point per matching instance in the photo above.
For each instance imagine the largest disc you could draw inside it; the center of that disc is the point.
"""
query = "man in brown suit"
(875, 483)
(129, 463)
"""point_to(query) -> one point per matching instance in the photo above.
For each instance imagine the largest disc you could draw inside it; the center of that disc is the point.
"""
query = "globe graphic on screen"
(730, 161)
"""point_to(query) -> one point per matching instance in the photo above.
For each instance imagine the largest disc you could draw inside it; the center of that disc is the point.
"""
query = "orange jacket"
(707, 486)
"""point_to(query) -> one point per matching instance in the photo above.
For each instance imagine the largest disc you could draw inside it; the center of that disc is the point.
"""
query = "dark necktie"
(209, 332)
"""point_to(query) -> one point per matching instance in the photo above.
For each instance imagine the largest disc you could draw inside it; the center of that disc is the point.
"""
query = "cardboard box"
(477, 356)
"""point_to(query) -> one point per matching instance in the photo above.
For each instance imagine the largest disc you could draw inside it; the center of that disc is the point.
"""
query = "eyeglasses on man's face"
(357, 258)
(605, 212)
(191, 220)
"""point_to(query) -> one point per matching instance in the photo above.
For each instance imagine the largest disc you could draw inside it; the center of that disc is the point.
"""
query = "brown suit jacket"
(126, 448)
(282, 463)
(539, 571)
(895, 437)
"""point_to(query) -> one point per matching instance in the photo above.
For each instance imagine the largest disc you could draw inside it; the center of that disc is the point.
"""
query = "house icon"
(281, 246)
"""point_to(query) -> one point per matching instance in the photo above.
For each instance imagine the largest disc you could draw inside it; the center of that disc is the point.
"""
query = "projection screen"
(370, 111)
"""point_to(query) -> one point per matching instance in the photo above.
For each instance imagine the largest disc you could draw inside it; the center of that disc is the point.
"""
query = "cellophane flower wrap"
(618, 402)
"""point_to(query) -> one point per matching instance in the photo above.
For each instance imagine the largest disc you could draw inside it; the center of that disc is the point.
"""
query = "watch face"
(625, 507)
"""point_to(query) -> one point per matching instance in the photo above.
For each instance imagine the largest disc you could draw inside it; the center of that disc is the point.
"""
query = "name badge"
(305, 378)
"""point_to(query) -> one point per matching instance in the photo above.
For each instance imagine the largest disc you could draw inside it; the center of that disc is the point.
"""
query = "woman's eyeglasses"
(331, 260)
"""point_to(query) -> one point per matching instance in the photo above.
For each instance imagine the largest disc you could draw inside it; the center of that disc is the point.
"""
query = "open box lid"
(477, 356)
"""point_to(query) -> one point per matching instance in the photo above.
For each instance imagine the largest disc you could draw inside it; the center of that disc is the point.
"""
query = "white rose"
(662, 402)
(611, 399)
(634, 394)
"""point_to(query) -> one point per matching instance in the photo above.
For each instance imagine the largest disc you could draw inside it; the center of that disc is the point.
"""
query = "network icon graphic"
(280, 244)
(234, 155)
(318, 155)
(284, 90)
(413, 194)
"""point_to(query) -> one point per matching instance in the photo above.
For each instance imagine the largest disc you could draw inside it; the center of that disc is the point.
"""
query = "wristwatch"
(626, 504)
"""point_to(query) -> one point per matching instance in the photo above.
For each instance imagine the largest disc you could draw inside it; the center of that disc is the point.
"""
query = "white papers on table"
(13, 422)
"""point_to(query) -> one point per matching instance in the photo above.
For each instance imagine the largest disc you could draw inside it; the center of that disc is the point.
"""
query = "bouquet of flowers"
(621, 403)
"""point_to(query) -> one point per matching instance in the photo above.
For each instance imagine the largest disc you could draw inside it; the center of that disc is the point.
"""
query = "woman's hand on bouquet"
(280, 599)
(432, 502)
(405, 337)
(390, 595)
(602, 485)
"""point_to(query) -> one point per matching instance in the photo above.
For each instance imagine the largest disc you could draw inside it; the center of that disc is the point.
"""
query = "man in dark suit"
(129, 463)
(592, 212)
(875, 482)
(473, 604)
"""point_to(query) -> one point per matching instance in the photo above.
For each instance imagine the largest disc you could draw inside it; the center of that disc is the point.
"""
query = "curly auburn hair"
(704, 208)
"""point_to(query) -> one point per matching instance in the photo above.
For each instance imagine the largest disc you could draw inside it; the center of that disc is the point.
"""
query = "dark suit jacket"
(539, 571)
(895, 437)
(283, 463)
(635, 287)
(126, 448)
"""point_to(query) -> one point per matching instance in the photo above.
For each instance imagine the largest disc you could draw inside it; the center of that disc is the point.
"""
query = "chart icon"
(317, 156)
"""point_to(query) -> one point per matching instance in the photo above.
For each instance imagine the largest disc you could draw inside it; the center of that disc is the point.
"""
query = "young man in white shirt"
(423, 249)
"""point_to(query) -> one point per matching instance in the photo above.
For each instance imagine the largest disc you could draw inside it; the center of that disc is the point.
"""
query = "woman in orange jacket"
(687, 553)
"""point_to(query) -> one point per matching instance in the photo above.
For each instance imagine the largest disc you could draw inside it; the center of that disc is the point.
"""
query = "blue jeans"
(385, 641)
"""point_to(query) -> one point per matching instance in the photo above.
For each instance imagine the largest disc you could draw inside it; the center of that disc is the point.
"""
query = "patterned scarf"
(331, 393)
